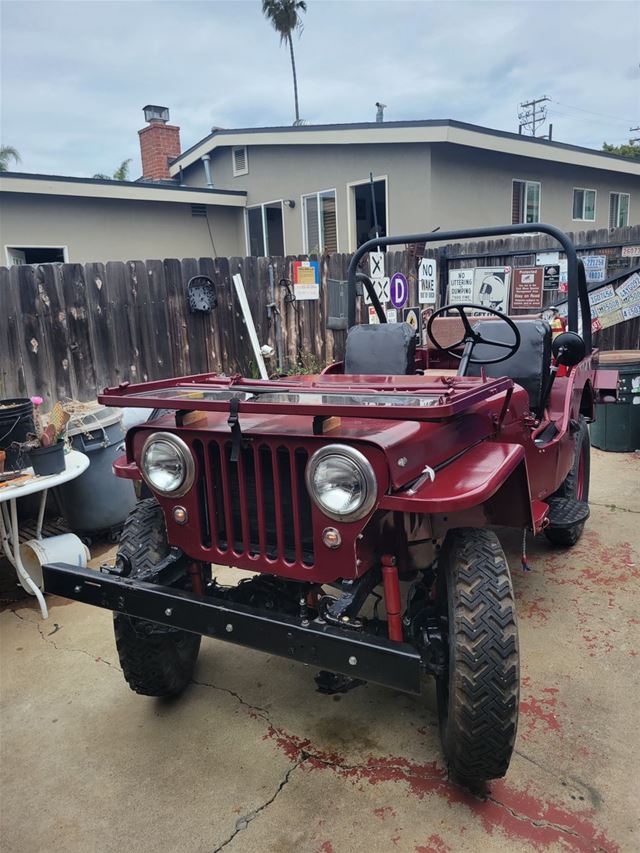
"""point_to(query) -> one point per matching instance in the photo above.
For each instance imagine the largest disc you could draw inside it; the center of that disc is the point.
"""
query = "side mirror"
(568, 349)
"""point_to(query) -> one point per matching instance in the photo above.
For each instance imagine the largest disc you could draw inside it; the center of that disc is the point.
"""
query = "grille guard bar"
(363, 656)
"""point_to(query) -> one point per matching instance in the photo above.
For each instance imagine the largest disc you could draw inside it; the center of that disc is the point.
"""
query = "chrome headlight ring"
(363, 479)
(183, 456)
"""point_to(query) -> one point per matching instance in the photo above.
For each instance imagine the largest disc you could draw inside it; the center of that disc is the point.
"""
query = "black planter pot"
(48, 460)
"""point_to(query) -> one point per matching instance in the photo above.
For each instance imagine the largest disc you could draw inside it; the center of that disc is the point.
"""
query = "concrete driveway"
(251, 758)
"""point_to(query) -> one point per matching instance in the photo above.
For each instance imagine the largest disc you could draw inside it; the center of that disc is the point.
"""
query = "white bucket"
(35, 553)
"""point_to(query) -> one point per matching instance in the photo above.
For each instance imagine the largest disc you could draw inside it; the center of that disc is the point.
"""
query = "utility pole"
(633, 130)
(531, 115)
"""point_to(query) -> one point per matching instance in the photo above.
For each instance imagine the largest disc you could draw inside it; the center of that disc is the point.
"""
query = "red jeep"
(381, 473)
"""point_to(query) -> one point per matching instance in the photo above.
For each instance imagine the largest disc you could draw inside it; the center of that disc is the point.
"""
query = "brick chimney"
(159, 143)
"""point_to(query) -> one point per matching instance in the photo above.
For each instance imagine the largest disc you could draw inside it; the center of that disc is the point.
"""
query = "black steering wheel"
(472, 336)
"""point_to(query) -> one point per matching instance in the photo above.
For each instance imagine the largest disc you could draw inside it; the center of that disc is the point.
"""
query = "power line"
(592, 112)
(531, 115)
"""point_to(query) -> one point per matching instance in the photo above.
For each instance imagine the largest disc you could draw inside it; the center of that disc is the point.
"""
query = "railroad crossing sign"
(381, 287)
(376, 265)
(399, 290)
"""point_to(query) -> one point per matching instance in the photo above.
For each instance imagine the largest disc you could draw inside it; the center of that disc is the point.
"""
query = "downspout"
(206, 160)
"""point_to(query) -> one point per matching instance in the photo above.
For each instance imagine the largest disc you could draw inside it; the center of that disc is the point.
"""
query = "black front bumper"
(352, 653)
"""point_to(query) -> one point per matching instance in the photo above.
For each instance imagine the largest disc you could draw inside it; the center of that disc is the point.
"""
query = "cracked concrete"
(251, 758)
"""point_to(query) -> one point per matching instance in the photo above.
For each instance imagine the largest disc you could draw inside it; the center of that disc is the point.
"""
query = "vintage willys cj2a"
(388, 470)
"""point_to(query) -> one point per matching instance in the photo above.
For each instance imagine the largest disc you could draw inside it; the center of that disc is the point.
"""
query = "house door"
(364, 214)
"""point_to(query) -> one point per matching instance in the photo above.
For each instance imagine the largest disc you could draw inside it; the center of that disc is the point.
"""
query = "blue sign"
(399, 290)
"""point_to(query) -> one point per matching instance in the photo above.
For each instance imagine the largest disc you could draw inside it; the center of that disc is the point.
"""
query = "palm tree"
(120, 174)
(8, 153)
(284, 16)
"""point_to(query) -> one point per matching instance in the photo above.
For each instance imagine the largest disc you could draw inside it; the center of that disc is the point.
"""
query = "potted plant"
(45, 447)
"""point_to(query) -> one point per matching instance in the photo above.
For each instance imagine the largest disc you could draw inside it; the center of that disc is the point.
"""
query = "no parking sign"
(399, 290)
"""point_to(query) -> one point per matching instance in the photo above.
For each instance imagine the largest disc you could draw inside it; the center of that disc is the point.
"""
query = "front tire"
(478, 694)
(156, 660)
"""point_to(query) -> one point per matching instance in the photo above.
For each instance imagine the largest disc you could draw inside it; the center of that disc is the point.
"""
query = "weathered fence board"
(68, 330)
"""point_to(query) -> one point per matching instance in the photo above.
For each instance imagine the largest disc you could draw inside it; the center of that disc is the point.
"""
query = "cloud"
(75, 75)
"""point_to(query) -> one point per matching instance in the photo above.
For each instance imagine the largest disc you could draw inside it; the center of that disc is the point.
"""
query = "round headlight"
(341, 482)
(167, 465)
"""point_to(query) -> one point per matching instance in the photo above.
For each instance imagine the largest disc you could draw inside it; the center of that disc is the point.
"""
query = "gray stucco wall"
(117, 230)
(470, 187)
(443, 185)
(288, 172)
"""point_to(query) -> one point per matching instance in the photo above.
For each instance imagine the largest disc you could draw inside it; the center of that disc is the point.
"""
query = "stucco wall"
(429, 185)
(287, 172)
(471, 187)
(117, 230)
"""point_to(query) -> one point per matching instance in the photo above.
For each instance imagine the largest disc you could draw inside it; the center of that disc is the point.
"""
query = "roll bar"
(575, 269)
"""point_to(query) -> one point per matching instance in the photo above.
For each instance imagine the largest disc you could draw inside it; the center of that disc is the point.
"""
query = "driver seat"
(380, 348)
(529, 366)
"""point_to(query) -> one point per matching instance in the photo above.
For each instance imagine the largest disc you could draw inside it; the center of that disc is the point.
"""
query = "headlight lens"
(341, 482)
(167, 465)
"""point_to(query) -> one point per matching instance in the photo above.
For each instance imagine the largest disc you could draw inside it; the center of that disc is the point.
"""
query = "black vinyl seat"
(385, 348)
(529, 366)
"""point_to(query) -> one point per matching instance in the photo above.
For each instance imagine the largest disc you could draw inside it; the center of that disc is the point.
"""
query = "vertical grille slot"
(258, 505)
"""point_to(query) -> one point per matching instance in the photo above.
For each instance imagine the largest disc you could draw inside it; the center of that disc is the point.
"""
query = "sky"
(75, 75)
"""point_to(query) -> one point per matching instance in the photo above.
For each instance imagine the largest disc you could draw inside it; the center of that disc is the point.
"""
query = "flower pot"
(48, 460)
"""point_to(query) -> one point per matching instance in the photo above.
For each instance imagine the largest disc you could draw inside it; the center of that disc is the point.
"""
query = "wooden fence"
(68, 330)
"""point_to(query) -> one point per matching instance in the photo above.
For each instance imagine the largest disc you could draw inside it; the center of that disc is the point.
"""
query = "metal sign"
(427, 281)
(392, 315)
(527, 288)
(399, 290)
(544, 258)
(306, 280)
(595, 267)
(630, 251)
(413, 318)
(381, 287)
(376, 265)
(460, 286)
(491, 288)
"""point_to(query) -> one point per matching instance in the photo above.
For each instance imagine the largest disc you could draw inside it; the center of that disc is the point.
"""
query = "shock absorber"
(392, 604)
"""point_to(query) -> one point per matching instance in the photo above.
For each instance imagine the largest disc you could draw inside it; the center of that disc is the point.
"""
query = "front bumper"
(352, 653)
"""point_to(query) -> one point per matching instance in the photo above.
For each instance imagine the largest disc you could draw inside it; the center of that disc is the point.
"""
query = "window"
(584, 204)
(320, 223)
(265, 230)
(240, 160)
(618, 210)
(525, 202)
(17, 255)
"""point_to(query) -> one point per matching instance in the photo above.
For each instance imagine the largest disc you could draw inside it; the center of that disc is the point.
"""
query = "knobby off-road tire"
(576, 486)
(478, 697)
(156, 660)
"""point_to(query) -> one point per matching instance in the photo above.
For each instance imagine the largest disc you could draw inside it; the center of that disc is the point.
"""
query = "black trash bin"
(617, 425)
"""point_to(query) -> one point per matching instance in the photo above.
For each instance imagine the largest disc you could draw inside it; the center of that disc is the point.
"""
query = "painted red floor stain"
(534, 612)
(325, 847)
(434, 845)
(518, 814)
(603, 567)
(383, 812)
(540, 711)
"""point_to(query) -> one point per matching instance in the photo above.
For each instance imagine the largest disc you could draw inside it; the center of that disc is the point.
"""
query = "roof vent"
(155, 113)
(198, 210)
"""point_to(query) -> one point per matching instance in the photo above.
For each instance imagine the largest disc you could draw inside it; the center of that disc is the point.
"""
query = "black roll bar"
(577, 285)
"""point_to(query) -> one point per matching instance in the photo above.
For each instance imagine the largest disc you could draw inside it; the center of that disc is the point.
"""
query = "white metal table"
(75, 464)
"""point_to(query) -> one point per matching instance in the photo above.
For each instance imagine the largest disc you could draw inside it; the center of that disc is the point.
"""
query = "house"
(293, 190)
(308, 187)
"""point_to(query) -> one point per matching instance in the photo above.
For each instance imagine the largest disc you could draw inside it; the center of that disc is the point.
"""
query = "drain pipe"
(206, 160)
(274, 314)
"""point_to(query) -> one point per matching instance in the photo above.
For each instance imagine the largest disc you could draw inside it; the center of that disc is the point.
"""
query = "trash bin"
(617, 425)
(97, 501)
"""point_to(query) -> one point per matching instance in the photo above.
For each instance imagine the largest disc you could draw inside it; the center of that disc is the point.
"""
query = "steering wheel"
(472, 336)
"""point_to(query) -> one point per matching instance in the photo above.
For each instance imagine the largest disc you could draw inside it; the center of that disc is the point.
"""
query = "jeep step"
(565, 512)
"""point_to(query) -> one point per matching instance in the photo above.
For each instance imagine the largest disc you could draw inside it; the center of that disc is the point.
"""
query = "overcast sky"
(75, 75)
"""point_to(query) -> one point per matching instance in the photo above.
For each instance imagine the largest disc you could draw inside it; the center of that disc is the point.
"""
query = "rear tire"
(156, 660)
(575, 486)
(479, 693)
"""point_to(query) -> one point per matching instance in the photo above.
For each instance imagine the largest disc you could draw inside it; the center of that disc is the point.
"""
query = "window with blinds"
(584, 204)
(525, 202)
(618, 210)
(320, 222)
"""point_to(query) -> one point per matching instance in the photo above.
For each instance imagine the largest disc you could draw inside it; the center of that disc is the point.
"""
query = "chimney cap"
(152, 112)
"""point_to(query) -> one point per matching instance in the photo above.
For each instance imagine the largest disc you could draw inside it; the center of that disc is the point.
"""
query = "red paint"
(392, 602)
(435, 844)
(541, 710)
(518, 814)
(383, 812)
(195, 573)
